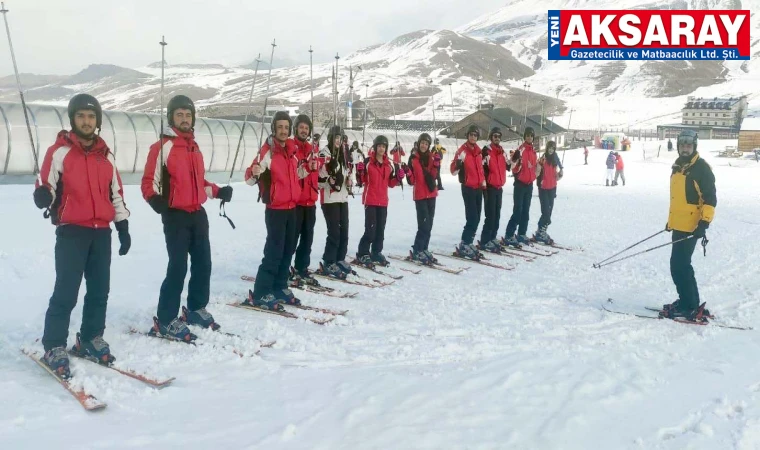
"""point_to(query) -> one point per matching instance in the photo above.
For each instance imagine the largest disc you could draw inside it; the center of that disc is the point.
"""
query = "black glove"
(159, 204)
(225, 194)
(124, 238)
(43, 197)
(667, 227)
(701, 229)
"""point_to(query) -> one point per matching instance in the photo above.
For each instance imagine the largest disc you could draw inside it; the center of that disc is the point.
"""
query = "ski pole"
(161, 114)
(21, 94)
(266, 97)
(599, 264)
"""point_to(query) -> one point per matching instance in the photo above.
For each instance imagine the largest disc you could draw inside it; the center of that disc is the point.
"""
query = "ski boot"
(95, 349)
(176, 329)
(467, 251)
(345, 267)
(58, 360)
(523, 240)
(201, 318)
(332, 270)
(542, 237)
(379, 260)
(286, 297)
(300, 278)
(421, 257)
(509, 242)
(491, 246)
(365, 261)
(698, 315)
(268, 302)
(430, 256)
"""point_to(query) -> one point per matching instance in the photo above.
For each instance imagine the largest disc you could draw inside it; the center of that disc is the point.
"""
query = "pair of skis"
(436, 265)
(653, 313)
(321, 290)
(88, 401)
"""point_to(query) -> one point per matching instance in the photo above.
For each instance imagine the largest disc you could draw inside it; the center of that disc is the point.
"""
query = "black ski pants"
(336, 246)
(425, 217)
(374, 230)
(306, 218)
(473, 206)
(79, 251)
(522, 195)
(493, 211)
(278, 251)
(546, 197)
(186, 233)
(682, 272)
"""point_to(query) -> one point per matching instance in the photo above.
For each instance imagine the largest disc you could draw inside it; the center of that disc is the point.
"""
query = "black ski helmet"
(494, 130)
(335, 130)
(529, 132)
(551, 144)
(85, 101)
(179, 102)
(473, 129)
(380, 140)
(425, 137)
(301, 118)
(687, 137)
(281, 115)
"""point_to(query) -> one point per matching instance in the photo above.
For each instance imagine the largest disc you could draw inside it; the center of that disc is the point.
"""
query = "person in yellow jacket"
(692, 208)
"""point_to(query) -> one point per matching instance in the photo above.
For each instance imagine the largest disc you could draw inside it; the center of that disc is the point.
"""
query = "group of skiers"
(615, 169)
(81, 190)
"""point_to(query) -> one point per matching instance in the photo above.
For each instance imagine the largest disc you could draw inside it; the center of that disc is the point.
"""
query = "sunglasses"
(497, 136)
(686, 140)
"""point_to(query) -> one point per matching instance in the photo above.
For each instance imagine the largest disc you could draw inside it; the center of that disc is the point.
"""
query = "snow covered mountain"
(446, 73)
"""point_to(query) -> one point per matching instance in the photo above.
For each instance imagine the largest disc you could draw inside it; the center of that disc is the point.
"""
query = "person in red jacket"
(174, 185)
(619, 169)
(306, 209)
(278, 172)
(378, 175)
(80, 188)
(585, 155)
(495, 170)
(549, 172)
(468, 164)
(397, 153)
(421, 173)
(524, 170)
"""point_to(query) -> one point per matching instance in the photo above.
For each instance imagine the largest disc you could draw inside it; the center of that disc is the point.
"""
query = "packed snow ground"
(486, 359)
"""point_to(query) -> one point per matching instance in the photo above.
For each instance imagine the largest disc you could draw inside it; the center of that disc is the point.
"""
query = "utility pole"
(432, 98)
(526, 86)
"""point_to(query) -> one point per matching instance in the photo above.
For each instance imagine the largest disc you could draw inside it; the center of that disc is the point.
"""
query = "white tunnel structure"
(129, 135)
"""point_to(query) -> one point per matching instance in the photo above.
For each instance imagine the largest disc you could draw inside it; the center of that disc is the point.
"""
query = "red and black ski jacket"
(524, 164)
(494, 166)
(305, 153)
(377, 177)
(279, 183)
(422, 173)
(85, 183)
(468, 164)
(184, 175)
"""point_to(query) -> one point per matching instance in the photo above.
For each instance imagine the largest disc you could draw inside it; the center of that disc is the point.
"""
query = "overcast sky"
(64, 36)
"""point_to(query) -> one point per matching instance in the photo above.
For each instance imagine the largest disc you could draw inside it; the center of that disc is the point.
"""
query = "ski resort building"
(512, 125)
(749, 134)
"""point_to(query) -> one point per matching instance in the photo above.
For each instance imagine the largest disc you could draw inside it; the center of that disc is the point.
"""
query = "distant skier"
(585, 155)
(421, 173)
(277, 170)
(175, 187)
(692, 208)
(619, 169)
(398, 153)
(357, 158)
(81, 189)
(378, 175)
(495, 171)
(524, 169)
(670, 145)
(441, 152)
(610, 163)
(549, 172)
(306, 209)
(335, 186)
(468, 165)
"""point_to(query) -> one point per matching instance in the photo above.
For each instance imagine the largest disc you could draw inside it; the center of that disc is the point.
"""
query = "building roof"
(510, 122)
(711, 103)
(750, 124)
